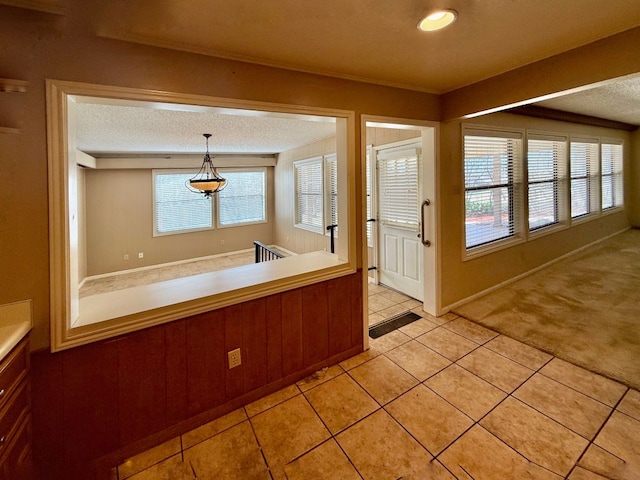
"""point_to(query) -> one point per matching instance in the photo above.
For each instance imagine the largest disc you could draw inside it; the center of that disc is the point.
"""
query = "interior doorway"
(401, 209)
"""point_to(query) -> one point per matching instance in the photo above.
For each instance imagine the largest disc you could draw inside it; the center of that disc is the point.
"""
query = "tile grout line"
(592, 441)
(255, 436)
(477, 422)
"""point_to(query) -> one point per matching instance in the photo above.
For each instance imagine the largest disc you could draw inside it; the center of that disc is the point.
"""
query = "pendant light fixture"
(207, 181)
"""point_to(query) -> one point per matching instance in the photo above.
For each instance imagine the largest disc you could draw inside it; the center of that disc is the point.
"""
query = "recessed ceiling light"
(437, 20)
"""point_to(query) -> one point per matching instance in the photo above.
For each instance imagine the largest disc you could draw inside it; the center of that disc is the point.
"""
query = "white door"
(400, 246)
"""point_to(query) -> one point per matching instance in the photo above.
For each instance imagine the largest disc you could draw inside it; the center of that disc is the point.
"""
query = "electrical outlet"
(140, 254)
(126, 257)
(234, 358)
(221, 242)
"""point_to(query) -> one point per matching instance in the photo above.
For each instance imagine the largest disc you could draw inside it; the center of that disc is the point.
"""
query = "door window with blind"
(611, 175)
(546, 175)
(176, 209)
(243, 200)
(398, 183)
(492, 184)
(583, 167)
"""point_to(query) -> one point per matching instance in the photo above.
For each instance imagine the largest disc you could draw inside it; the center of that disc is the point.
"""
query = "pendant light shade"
(207, 181)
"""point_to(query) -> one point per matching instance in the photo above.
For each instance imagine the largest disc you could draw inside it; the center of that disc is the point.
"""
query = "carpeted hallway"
(584, 309)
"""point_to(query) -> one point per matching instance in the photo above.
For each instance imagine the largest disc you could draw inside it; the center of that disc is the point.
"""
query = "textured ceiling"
(619, 100)
(134, 129)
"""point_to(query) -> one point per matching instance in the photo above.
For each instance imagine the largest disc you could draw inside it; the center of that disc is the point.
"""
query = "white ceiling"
(618, 100)
(134, 128)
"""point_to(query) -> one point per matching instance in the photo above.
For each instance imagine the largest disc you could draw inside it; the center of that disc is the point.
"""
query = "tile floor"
(440, 398)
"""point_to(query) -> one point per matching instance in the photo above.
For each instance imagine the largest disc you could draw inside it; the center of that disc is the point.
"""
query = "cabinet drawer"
(13, 412)
(12, 370)
(17, 463)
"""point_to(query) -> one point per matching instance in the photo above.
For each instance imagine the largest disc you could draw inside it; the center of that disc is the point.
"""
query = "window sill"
(109, 314)
(476, 252)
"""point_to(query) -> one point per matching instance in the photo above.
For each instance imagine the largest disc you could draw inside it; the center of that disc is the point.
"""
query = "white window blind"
(308, 194)
(546, 167)
(369, 189)
(492, 165)
(398, 182)
(176, 208)
(583, 167)
(611, 171)
(244, 198)
(332, 190)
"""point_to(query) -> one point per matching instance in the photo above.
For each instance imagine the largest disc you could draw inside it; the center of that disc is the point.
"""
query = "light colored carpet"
(584, 309)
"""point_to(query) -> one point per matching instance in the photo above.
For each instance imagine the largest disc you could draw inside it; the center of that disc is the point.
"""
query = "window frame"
(592, 176)
(67, 328)
(617, 206)
(560, 181)
(297, 166)
(516, 196)
(189, 172)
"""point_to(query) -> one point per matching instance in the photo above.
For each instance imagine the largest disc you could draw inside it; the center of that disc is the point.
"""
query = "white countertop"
(15, 323)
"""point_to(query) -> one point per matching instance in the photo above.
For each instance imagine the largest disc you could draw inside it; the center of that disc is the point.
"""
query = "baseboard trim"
(459, 303)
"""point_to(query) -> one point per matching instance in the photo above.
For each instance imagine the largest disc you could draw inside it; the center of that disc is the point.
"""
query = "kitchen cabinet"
(15, 413)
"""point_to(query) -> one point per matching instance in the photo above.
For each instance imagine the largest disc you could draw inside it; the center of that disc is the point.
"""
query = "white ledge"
(108, 314)
(15, 323)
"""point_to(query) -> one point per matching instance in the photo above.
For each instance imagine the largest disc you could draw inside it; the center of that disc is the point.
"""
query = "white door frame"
(432, 303)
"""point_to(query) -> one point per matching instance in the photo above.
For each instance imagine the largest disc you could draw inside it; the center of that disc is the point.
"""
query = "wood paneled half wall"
(98, 404)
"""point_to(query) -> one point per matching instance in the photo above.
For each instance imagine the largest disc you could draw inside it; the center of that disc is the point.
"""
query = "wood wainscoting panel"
(206, 361)
(254, 344)
(233, 377)
(274, 337)
(142, 387)
(90, 406)
(176, 370)
(292, 360)
(339, 315)
(96, 405)
(315, 328)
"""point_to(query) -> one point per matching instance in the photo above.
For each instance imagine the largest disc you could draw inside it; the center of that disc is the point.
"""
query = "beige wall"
(40, 46)
(462, 279)
(600, 61)
(120, 221)
(295, 239)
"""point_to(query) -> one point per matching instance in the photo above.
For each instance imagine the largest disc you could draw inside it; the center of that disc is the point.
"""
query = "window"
(612, 190)
(332, 191)
(179, 210)
(492, 183)
(75, 322)
(398, 182)
(369, 180)
(584, 170)
(308, 194)
(546, 167)
(316, 193)
(176, 209)
(243, 200)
